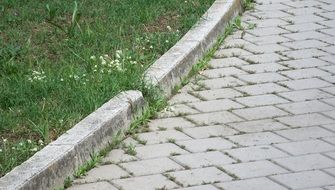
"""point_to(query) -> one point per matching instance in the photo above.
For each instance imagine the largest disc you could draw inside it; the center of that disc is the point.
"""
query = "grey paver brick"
(305, 73)
(182, 98)
(261, 100)
(330, 139)
(176, 110)
(305, 120)
(268, 22)
(214, 118)
(266, 48)
(303, 10)
(162, 136)
(304, 44)
(261, 183)
(306, 147)
(262, 77)
(118, 155)
(258, 126)
(329, 68)
(226, 62)
(265, 67)
(270, 14)
(301, 84)
(304, 27)
(209, 131)
(304, 63)
(330, 127)
(203, 159)
(262, 112)
(305, 35)
(306, 162)
(105, 172)
(103, 185)
(305, 133)
(262, 138)
(304, 19)
(304, 53)
(152, 166)
(330, 101)
(169, 123)
(218, 93)
(254, 153)
(329, 58)
(304, 95)
(222, 82)
(200, 176)
(305, 179)
(264, 58)
(215, 105)
(273, 39)
(201, 187)
(266, 88)
(306, 107)
(158, 150)
(267, 31)
(231, 52)
(227, 71)
(202, 145)
(254, 169)
(151, 182)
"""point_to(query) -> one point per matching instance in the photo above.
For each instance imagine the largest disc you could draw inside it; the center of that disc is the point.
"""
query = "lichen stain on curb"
(168, 70)
(50, 166)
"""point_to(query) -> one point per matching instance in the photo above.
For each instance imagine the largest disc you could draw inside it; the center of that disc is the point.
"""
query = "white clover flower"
(21, 144)
(118, 54)
(0, 150)
(29, 141)
(62, 79)
(4, 140)
(166, 41)
(40, 142)
(151, 47)
(94, 70)
(76, 77)
(13, 148)
(33, 149)
(143, 48)
(169, 28)
(93, 57)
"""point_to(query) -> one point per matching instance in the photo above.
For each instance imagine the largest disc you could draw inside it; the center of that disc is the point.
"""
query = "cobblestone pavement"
(261, 118)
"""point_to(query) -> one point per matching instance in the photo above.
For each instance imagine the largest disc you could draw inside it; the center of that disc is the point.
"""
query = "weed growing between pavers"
(61, 60)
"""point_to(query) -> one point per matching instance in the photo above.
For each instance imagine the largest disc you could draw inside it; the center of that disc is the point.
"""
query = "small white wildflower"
(33, 149)
(103, 62)
(93, 57)
(166, 41)
(143, 48)
(94, 70)
(84, 75)
(40, 142)
(169, 28)
(118, 54)
(29, 141)
(95, 66)
(84, 83)
(13, 148)
(151, 47)
(62, 79)
(21, 144)
(4, 140)
(0, 150)
(76, 77)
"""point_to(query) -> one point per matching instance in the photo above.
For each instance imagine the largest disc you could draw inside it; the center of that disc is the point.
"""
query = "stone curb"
(177, 62)
(49, 167)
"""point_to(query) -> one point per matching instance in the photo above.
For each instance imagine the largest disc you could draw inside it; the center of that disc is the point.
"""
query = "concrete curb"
(49, 167)
(176, 63)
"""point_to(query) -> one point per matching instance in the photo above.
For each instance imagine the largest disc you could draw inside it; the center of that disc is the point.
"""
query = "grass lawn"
(61, 60)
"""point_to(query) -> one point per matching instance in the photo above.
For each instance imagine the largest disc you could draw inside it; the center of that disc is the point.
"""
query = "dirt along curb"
(49, 167)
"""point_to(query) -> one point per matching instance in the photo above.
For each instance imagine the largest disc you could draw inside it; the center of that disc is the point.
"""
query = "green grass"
(60, 60)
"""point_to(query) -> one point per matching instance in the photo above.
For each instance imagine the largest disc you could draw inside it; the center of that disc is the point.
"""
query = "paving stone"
(303, 19)
(151, 182)
(221, 82)
(303, 27)
(259, 112)
(304, 95)
(262, 77)
(200, 176)
(269, 14)
(304, 53)
(305, 133)
(330, 187)
(272, 7)
(305, 120)
(328, 23)
(203, 159)
(305, 179)
(330, 114)
(329, 49)
(258, 126)
(226, 62)
(305, 35)
(330, 139)
(266, 88)
(236, 43)
(266, 48)
(201, 145)
(304, 63)
(307, 3)
(261, 100)
(117, 156)
(183, 98)
(231, 52)
(306, 147)
(330, 90)
(264, 58)
(329, 31)
(201, 187)
(329, 58)
(221, 72)
(330, 127)
(330, 171)
(306, 107)
(305, 73)
(267, 31)
(306, 162)
(215, 105)
(273, 39)
(218, 94)
(330, 79)
(158, 150)
(255, 153)
(214, 118)
(152, 166)
(303, 10)
(262, 138)
(251, 184)
(176, 110)
(103, 185)
(265, 67)
(209, 131)
(268, 22)
(162, 136)
(169, 123)
(329, 68)
(105, 172)
(301, 84)
(304, 44)
(254, 169)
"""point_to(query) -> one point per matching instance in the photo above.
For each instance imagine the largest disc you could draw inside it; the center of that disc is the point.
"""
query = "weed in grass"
(130, 149)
